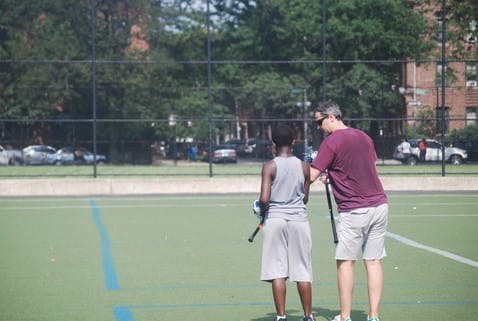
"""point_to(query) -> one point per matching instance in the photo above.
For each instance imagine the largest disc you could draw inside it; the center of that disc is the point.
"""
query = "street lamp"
(414, 92)
(305, 104)
(172, 123)
(414, 104)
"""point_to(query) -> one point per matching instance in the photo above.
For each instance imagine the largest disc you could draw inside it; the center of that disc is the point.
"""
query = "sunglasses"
(321, 120)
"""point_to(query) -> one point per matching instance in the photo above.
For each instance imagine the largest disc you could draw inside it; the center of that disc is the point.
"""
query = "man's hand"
(324, 177)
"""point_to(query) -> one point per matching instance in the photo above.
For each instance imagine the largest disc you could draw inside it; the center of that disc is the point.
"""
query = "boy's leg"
(305, 293)
(279, 293)
(375, 285)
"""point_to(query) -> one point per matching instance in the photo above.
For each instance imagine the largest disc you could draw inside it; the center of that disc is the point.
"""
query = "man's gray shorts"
(286, 250)
(362, 231)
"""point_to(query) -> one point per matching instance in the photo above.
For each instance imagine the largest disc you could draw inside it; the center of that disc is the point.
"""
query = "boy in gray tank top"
(287, 241)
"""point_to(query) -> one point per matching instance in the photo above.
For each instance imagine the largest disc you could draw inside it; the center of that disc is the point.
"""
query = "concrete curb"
(187, 185)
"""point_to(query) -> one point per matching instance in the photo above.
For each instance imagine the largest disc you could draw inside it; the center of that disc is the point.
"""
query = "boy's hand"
(256, 208)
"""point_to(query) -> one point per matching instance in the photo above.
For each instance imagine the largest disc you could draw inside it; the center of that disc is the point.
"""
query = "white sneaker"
(338, 318)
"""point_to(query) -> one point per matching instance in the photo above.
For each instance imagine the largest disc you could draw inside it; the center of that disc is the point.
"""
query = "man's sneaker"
(373, 319)
(338, 318)
(281, 319)
(311, 318)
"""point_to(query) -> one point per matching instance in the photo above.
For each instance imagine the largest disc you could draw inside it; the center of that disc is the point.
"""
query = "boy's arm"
(267, 176)
(306, 170)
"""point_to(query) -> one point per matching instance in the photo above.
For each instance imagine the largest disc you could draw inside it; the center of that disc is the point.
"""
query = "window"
(471, 38)
(471, 75)
(439, 36)
(471, 71)
(439, 75)
(471, 116)
(439, 27)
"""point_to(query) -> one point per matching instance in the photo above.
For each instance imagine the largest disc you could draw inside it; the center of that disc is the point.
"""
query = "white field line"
(446, 254)
(432, 215)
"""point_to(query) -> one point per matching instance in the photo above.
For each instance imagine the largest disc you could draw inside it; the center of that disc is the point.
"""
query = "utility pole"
(443, 83)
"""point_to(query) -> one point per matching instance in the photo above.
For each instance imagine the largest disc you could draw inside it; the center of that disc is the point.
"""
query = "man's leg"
(305, 293)
(345, 280)
(278, 292)
(375, 285)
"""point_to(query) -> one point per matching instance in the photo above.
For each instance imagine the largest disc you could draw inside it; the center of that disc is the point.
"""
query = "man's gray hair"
(329, 108)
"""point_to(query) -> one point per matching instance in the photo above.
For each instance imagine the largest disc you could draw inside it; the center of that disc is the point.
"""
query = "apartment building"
(422, 82)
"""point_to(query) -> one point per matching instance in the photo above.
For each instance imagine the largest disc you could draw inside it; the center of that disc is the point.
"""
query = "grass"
(202, 169)
(187, 257)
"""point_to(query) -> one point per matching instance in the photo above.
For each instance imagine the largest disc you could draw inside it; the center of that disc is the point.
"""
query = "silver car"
(39, 155)
(78, 156)
(224, 154)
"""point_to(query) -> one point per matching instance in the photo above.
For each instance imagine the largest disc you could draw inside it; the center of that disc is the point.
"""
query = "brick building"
(422, 82)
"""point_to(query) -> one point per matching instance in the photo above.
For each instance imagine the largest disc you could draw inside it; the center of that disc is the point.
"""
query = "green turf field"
(187, 258)
(202, 169)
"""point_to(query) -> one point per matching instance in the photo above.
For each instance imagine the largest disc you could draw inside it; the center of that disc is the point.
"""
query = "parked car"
(78, 156)
(453, 155)
(471, 147)
(39, 155)
(224, 154)
(10, 156)
(310, 155)
(238, 144)
(259, 148)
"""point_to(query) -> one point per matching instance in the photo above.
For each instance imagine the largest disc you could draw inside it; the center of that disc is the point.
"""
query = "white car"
(39, 155)
(453, 155)
(10, 156)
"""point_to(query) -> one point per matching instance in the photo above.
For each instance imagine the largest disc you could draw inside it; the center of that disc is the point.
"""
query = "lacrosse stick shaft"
(253, 235)
(332, 220)
(258, 228)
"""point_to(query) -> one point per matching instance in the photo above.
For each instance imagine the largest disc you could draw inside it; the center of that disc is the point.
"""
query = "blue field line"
(123, 314)
(317, 285)
(428, 303)
(198, 305)
(209, 305)
(111, 279)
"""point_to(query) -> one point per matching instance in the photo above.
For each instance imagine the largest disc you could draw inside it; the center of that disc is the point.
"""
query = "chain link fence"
(127, 111)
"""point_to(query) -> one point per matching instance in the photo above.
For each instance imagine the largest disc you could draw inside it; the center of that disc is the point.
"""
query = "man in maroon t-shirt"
(347, 158)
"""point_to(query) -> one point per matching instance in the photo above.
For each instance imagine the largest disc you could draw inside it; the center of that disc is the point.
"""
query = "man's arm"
(314, 174)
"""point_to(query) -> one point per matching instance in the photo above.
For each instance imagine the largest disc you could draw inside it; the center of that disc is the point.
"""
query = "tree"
(469, 133)
(463, 29)
(45, 32)
(356, 30)
(151, 62)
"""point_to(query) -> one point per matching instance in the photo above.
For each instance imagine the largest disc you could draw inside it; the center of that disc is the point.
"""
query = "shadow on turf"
(319, 313)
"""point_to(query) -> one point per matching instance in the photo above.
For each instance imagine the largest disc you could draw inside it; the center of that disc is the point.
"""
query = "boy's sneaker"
(338, 318)
(373, 319)
(311, 318)
(281, 319)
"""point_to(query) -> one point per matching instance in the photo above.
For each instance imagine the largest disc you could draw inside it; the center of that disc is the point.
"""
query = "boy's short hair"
(282, 135)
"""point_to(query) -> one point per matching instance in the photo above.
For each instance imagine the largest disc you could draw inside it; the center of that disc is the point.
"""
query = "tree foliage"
(469, 133)
(463, 18)
(151, 61)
